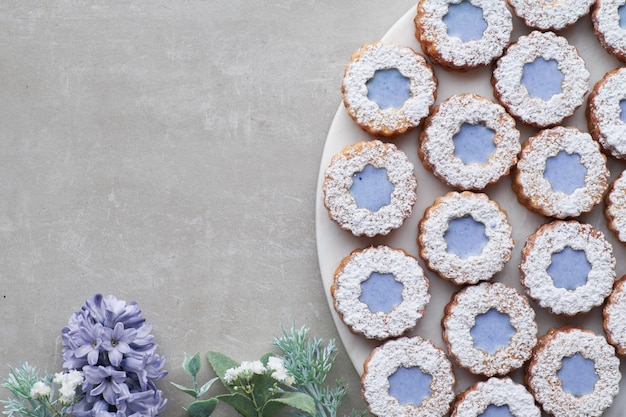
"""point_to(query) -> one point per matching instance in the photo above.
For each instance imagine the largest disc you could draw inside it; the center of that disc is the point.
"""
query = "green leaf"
(239, 402)
(296, 400)
(184, 389)
(202, 408)
(206, 386)
(192, 364)
(220, 364)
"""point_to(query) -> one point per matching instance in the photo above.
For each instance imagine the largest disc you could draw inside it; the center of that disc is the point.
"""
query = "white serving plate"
(333, 243)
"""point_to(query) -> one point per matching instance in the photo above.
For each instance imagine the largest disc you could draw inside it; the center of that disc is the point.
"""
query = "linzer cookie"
(606, 112)
(495, 397)
(469, 142)
(568, 267)
(561, 173)
(608, 25)
(550, 14)
(465, 237)
(370, 188)
(408, 377)
(489, 329)
(614, 314)
(615, 208)
(461, 35)
(573, 373)
(541, 79)
(380, 292)
(388, 89)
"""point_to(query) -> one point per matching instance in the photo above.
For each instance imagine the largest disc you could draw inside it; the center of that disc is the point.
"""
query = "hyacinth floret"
(111, 344)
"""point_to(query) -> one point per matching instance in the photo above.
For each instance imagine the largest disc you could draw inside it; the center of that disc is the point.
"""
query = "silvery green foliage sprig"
(255, 388)
(310, 363)
(110, 343)
(37, 396)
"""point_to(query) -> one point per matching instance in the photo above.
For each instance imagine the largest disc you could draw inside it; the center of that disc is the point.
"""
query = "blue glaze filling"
(465, 237)
(492, 331)
(577, 374)
(381, 292)
(388, 88)
(622, 114)
(410, 385)
(496, 411)
(465, 21)
(622, 16)
(565, 173)
(542, 78)
(371, 189)
(569, 268)
(474, 143)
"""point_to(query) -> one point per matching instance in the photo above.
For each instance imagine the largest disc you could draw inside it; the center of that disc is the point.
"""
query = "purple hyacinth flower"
(106, 381)
(117, 342)
(112, 345)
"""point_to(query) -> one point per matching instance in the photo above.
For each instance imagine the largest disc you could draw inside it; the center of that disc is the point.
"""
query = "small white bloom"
(231, 375)
(275, 363)
(39, 390)
(289, 381)
(253, 367)
(280, 375)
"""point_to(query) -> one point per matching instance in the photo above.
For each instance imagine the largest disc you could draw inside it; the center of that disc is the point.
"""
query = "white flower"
(275, 363)
(231, 375)
(289, 381)
(39, 390)
(253, 367)
(68, 383)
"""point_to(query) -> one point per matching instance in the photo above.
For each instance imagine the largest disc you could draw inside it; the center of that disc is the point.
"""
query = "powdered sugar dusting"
(460, 317)
(341, 205)
(615, 317)
(546, 386)
(451, 51)
(605, 123)
(537, 257)
(499, 392)
(514, 96)
(550, 15)
(615, 208)
(437, 144)
(433, 246)
(407, 352)
(357, 268)
(535, 191)
(390, 121)
(606, 24)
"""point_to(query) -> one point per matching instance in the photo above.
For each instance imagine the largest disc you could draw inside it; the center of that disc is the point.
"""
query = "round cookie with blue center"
(541, 79)
(408, 377)
(463, 34)
(550, 14)
(469, 142)
(380, 292)
(609, 23)
(489, 329)
(568, 267)
(614, 314)
(370, 188)
(606, 112)
(388, 89)
(573, 373)
(495, 397)
(465, 237)
(561, 173)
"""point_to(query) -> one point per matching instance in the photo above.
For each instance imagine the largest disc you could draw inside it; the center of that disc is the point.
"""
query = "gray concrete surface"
(167, 152)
